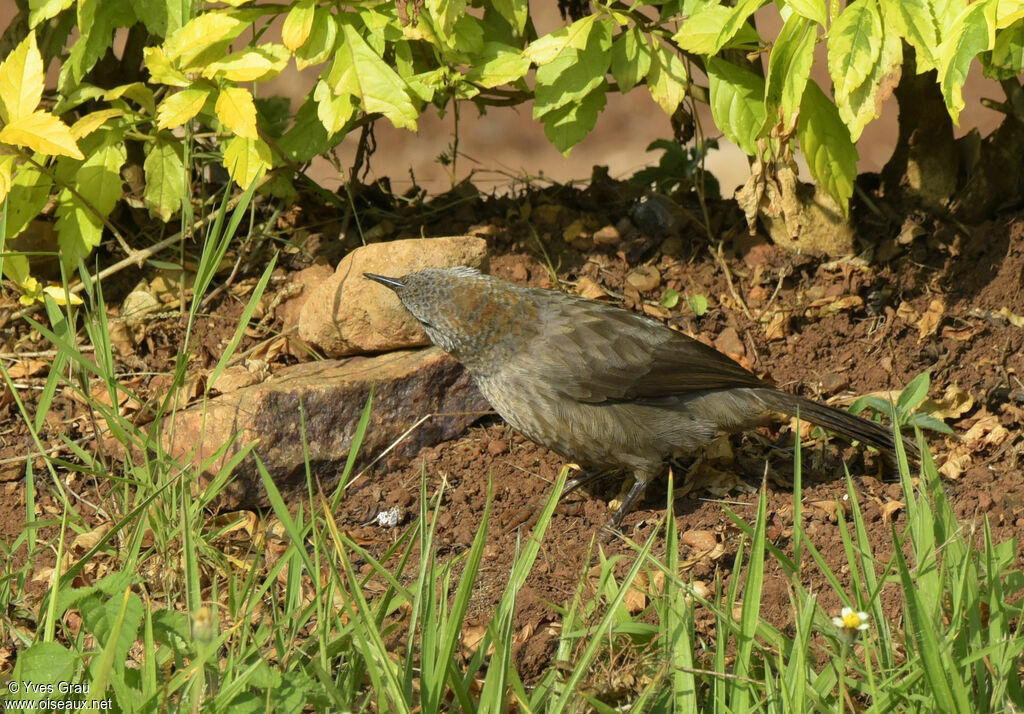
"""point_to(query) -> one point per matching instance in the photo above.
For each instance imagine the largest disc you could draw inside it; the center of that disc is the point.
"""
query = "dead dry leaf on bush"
(823, 307)
(930, 320)
(953, 404)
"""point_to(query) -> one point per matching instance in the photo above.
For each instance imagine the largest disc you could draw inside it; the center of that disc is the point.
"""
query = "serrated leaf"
(165, 179)
(917, 22)
(825, 142)
(93, 121)
(320, 45)
(256, 64)
(161, 19)
(137, 92)
(98, 178)
(97, 22)
(201, 34)
(21, 80)
(970, 35)
(498, 64)
(737, 103)
(181, 107)
(575, 72)
(667, 79)
(359, 71)
(246, 159)
(864, 103)
(854, 43)
(568, 125)
(41, 11)
(332, 110)
(307, 137)
(42, 132)
(29, 194)
(789, 68)
(161, 70)
(631, 58)
(298, 24)
(237, 112)
(707, 31)
(546, 49)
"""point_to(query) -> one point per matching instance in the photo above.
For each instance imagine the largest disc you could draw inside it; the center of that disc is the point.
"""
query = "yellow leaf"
(91, 122)
(21, 81)
(298, 24)
(30, 291)
(246, 159)
(57, 293)
(41, 132)
(161, 70)
(237, 111)
(200, 34)
(6, 167)
(259, 63)
(333, 111)
(180, 108)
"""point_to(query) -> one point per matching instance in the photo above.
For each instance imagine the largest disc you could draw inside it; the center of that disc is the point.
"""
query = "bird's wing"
(622, 356)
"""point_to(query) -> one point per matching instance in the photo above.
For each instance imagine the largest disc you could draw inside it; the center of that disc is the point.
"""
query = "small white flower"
(850, 622)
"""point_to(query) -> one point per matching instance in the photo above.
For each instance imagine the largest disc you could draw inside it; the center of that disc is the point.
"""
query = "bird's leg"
(636, 492)
(584, 479)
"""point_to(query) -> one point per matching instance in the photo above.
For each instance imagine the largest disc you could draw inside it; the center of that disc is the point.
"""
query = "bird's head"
(448, 302)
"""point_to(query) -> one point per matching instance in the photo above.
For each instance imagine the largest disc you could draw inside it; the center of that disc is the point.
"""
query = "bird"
(596, 383)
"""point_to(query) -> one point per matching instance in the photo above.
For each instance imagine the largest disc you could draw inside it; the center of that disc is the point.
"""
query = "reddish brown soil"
(828, 330)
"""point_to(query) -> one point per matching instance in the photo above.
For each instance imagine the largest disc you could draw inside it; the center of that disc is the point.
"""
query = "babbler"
(596, 383)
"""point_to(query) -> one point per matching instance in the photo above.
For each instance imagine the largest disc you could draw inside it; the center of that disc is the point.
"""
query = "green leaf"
(160, 18)
(854, 43)
(359, 71)
(96, 24)
(631, 58)
(914, 393)
(567, 126)
(79, 230)
(789, 68)
(813, 10)
(100, 615)
(575, 72)
(864, 103)
(825, 141)
(737, 103)
(43, 663)
(918, 22)
(498, 64)
(710, 28)
(670, 299)
(320, 45)
(547, 48)
(165, 178)
(970, 35)
(29, 194)
(210, 33)
(43, 10)
(667, 79)
(446, 13)
(98, 178)
(307, 137)
(515, 13)
(698, 304)
(332, 110)
(1007, 59)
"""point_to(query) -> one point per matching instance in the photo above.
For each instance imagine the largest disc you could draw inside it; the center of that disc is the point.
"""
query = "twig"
(728, 279)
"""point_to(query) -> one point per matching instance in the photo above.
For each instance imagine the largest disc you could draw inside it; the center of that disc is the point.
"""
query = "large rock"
(348, 314)
(408, 385)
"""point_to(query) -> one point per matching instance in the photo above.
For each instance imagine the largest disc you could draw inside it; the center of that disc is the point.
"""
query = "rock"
(347, 314)
(408, 385)
(608, 235)
(309, 279)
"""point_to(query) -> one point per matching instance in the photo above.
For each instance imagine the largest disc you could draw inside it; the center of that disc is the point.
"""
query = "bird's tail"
(837, 420)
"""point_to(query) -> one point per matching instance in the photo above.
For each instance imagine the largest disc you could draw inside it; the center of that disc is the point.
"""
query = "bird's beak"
(393, 283)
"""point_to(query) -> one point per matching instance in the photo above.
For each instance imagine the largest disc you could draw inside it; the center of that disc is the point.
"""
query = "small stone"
(609, 235)
(729, 343)
(834, 382)
(496, 447)
(645, 278)
(699, 539)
